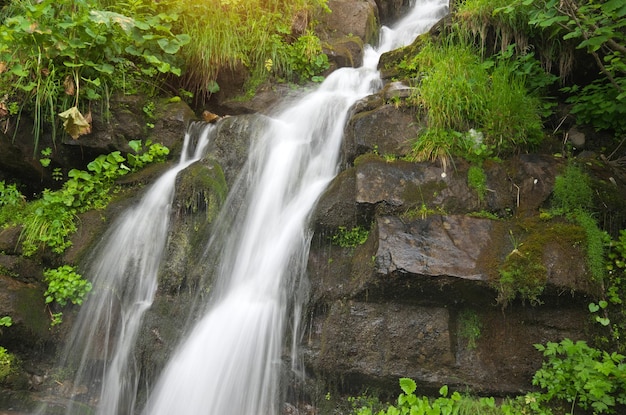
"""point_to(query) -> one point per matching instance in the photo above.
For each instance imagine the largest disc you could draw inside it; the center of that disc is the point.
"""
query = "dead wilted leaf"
(74, 123)
(3, 67)
(4, 111)
(68, 83)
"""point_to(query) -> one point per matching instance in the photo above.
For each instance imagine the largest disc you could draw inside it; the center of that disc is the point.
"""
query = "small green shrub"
(8, 363)
(572, 190)
(253, 33)
(597, 28)
(435, 145)
(65, 284)
(609, 311)
(477, 180)
(350, 238)
(470, 328)
(583, 376)
(6, 321)
(12, 202)
(410, 404)
(522, 276)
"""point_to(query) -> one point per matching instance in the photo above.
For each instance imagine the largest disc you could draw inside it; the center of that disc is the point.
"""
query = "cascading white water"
(230, 362)
(124, 278)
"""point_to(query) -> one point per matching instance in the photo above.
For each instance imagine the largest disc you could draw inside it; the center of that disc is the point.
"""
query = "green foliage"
(470, 328)
(596, 241)
(350, 238)
(305, 58)
(487, 98)
(522, 276)
(144, 155)
(253, 33)
(572, 190)
(597, 28)
(8, 363)
(435, 144)
(59, 52)
(65, 284)
(609, 311)
(50, 220)
(9, 195)
(6, 321)
(11, 202)
(481, 20)
(583, 376)
(477, 180)
(410, 404)
(573, 197)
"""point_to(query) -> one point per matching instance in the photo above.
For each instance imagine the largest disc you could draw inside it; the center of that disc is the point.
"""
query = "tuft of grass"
(254, 34)
(477, 180)
(487, 99)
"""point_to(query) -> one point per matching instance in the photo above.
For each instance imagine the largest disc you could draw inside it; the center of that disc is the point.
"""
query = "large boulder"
(344, 31)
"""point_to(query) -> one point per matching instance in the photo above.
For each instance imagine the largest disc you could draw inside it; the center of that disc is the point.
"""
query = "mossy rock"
(200, 192)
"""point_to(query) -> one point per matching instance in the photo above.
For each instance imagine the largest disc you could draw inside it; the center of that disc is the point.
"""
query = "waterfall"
(124, 277)
(231, 359)
(230, 362)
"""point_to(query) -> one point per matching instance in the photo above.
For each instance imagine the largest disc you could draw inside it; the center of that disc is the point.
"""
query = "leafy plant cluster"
(582, 376)
(609, 311)
(58, 56)
(64, 285)
(350, 238)
(470, 328)
(51, 220)
(410, 404)
(598, 29)
(477, 180)
(7, 360)
(522, 275)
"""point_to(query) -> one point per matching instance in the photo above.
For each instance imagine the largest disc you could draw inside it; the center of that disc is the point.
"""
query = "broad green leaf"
(408, 385)
(72, 64)
(106, 17)
(169, 46)
(105, 68)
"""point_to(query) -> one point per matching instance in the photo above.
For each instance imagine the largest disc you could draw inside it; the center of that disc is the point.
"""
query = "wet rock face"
(391, 10)
(422, 296)
(397, 305)
(434, 246)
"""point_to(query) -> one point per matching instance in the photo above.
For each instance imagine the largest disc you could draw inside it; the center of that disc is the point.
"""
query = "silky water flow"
(231, 360)
(123, 272)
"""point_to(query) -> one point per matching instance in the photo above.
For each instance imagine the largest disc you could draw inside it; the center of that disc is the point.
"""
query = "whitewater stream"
(231, 360)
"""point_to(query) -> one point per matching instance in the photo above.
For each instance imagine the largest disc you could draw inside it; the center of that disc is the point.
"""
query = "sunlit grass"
(459, 92)
(231, 33)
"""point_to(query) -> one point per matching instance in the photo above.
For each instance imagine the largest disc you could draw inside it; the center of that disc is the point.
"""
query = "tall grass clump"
(268, 38)
(486, 107)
